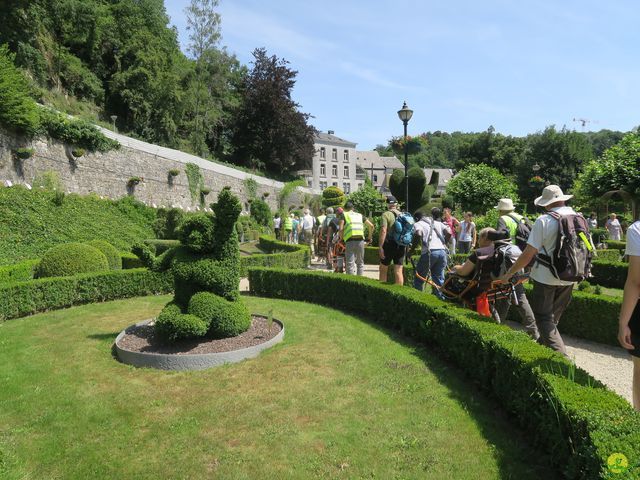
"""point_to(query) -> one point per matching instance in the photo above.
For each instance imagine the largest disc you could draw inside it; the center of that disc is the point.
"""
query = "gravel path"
(611, 365)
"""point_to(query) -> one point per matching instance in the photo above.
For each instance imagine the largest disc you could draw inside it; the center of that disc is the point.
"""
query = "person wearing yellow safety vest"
(509, 219)
(352, 233)
(288, 227)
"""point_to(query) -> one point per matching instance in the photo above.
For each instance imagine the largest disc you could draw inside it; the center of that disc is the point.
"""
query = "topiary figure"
(208, 260)
(113, 256)
(70, 259)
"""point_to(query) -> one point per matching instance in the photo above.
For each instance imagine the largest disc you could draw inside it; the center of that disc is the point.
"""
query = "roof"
(364, 159)
(446, 174)
(330, 139)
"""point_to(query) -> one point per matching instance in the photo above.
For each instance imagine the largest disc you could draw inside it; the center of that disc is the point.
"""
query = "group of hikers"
(553, 253)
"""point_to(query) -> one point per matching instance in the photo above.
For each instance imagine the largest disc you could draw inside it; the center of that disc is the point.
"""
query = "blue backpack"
(403, 229)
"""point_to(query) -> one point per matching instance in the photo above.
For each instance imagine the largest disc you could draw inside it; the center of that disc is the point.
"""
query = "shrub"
(616, 244)
(261, 212)
(78, 152)
(130, 260)
(609, 274)
(113, 256)
(26, 298)
(294, 258)
(479, 187)
(608, 255)
(75, 132)
(20, 272)
(560, 406)
(160, 246)
(172, 325)
(333, 197)
(224, 318)
(205, 191)
(133, 181)
(18, 111)
(167, 221)
(196, 232)
(24, 153)
(71, 259)
(174, 172)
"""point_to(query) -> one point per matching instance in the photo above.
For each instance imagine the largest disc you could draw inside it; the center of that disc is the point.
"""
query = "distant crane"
(584, 121)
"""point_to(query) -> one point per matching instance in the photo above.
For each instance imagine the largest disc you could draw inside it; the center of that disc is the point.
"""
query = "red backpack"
(571, 260)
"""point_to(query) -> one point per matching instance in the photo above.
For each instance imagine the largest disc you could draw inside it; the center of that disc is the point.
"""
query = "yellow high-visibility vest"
(512, 224)
(353, 225)
(288, 223)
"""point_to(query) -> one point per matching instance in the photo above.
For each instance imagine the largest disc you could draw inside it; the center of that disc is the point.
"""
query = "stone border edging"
(202, 361)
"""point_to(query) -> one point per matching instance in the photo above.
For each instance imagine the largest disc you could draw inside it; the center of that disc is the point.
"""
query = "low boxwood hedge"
(20, 299)
(616, 244)
(280, 254)
(113, 256)
(130, 260)
(71, 259)
(563, 409)
(609, 274)
(609, 255)
(19, 272)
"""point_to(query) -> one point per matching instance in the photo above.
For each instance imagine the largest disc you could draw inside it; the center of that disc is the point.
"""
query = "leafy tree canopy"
(479, 187)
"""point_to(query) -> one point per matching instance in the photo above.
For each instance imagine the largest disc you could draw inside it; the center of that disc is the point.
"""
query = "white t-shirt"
(276, 222)
(308, 222)
(543, 237)
(466, 231)
(633, 240)
(422, 229)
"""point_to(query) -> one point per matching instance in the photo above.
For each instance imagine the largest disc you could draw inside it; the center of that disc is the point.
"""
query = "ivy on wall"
(195, 179)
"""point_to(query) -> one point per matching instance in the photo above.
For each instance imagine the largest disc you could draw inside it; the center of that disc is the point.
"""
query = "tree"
(419, 192)
(18, 111)
(368, 200)
(618, 170)
(333, 197)
(479, 187)
(269, 130)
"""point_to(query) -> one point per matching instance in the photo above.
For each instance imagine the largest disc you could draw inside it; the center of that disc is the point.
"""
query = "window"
(323, 170)
(334, 154)
(375, 177)
(346, 171)
(335, 184)
(323, 185)
(334, 170)
(346, 187)
(323, 153)
(345, 156)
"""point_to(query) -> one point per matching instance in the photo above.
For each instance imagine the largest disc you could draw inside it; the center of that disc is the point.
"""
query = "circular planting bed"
(137, 345)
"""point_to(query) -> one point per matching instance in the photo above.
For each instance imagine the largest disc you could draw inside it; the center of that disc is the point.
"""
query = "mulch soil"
(143, 339)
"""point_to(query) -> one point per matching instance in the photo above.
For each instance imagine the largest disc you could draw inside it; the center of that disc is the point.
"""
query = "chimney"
(330, 132)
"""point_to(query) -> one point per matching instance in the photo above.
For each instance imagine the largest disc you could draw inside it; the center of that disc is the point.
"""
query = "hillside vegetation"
(33, 221)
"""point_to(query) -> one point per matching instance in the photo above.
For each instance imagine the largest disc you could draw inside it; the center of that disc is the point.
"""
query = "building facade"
(443, 174)
(378, 169)
(334, 164)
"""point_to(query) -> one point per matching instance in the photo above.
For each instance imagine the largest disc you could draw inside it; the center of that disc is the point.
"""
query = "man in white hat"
(550, 295)
(509, 219)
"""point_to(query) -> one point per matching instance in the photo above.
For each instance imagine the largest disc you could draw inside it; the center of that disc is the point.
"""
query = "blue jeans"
(436, 261)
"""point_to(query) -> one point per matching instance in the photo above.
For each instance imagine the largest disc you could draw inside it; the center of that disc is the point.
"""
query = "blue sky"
(460, 65)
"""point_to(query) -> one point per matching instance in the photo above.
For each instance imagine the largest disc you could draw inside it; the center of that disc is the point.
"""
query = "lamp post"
(405, 115)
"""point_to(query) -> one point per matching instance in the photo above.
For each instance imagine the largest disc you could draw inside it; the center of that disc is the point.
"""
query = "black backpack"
(522, 231)
(571, 260)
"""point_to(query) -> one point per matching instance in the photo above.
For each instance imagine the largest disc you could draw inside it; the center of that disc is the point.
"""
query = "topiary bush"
(333, 197)
(113, 256)
(261, 212)
(207, 260)
(224, 318)
(165, 226)
(71, 259)
(172, 324)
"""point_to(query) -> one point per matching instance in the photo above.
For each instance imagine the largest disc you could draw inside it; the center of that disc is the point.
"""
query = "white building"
(334, 163)
(444, 175)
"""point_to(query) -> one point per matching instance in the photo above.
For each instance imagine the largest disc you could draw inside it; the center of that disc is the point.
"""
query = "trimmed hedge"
(26, 298)
(70, 259)
(131, 260)
(567, 412)
(609, 255)
(616, 244)
(289, 256)
(161, 246)
(113, 256)
(609, 274)
(223, 318)
(19, 272)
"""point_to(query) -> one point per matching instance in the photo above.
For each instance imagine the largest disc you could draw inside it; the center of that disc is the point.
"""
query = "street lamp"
(405, 115)
(535, 167)
(113, 119)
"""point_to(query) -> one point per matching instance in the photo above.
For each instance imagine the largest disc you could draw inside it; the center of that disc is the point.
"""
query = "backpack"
(504, 257)
(403, 228)
(571, 260)
(523, 230)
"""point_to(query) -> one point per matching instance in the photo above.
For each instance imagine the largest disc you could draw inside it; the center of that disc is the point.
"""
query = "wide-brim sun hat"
(505, 204)
(551, 194)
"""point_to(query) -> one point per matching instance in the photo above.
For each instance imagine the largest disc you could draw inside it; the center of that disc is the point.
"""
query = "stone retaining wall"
(107, 174)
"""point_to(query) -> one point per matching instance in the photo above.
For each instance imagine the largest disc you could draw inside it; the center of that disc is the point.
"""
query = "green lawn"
(339, 398)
